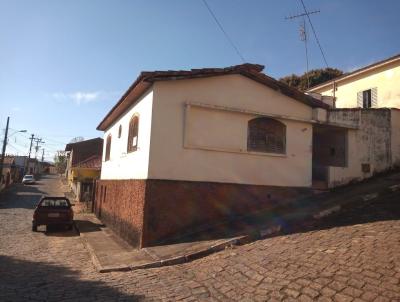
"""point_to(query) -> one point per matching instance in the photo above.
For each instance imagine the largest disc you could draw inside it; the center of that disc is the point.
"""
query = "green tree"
(315, 77)
(60, 161)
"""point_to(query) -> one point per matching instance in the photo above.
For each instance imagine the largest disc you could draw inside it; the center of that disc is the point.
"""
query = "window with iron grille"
(108, 147)
(266, 135)
(133, 134)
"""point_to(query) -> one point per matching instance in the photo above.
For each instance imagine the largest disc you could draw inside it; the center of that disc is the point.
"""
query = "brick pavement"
(350, 256)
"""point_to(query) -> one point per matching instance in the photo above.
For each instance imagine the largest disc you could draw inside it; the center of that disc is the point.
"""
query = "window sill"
(244, 152)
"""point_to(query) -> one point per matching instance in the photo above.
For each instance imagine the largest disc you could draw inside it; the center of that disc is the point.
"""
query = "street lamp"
(22, 131)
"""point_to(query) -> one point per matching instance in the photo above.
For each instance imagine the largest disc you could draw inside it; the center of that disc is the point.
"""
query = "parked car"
(28, 180)
(53, 211)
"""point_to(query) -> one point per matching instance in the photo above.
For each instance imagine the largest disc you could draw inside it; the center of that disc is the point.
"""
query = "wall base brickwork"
(147, 212)
(120, 205)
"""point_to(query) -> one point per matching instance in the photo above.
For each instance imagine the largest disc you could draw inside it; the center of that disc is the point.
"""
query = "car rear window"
(54, 203)
(28, 176)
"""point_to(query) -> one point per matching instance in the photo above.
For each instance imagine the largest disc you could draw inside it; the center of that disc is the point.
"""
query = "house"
(84, 166)
(373, 86)
(20, 163)
(8, 172)
(188, 148)
(33, 166)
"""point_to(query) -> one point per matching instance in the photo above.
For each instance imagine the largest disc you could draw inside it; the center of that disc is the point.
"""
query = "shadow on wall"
(383, 208)
(125, 229)
(24, 281)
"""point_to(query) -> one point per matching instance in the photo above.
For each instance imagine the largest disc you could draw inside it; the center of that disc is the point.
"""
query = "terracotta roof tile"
(85, 149)
(93, 162)
(252, 71)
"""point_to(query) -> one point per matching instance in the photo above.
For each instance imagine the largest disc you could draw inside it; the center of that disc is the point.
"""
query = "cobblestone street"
(353, 255)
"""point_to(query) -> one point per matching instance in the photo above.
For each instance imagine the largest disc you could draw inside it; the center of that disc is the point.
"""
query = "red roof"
(252, 71)
(85, 149)
(93, 162)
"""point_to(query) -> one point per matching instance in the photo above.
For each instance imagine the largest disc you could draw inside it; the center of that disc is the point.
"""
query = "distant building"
(84, 166)
(9, 172)
(373, 86)
(33, 166)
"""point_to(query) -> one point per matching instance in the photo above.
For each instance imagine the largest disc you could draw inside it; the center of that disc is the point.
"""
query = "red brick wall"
(121, 207)
(146, 212)
(174, 207)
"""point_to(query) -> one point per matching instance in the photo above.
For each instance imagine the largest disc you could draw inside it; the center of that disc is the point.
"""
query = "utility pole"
(4, 150)
(38, 141)
(30, 149)
(303, 36)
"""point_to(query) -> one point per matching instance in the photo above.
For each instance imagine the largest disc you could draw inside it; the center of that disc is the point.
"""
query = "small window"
(119, 131)
(367, 102)
(367, 98)
(133, 134)
(266, 135)
(108, 148)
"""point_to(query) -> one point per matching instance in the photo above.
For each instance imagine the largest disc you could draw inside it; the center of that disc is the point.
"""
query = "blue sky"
(64, 64)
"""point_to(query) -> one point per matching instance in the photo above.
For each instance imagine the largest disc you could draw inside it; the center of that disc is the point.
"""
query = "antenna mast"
(303, 36)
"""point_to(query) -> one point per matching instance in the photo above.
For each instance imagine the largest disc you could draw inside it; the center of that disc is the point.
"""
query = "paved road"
(352, 256)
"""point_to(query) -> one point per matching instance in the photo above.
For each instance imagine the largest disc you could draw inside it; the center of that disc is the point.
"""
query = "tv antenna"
(304, 35)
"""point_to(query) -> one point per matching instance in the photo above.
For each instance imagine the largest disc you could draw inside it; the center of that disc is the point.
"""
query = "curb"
(271, 230)
(161, 262)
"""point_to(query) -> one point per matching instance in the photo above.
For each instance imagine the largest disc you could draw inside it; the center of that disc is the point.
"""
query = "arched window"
(266, 135)
(119, 131)
(133, 134)
(108, 147)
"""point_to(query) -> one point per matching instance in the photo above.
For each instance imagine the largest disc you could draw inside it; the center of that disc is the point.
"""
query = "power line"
(314, 32)
(223, 31)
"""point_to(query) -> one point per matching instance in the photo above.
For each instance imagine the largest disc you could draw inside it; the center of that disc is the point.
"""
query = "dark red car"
(53, 211)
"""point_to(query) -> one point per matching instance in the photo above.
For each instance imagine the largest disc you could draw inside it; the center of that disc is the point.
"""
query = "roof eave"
(359, 71)
(137, 88)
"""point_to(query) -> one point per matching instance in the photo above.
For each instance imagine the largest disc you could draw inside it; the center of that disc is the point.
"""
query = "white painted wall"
(386, 79)
(134, 165)
(226, 131)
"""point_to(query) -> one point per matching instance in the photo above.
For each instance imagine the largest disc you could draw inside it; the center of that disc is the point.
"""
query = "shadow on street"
(24, 280)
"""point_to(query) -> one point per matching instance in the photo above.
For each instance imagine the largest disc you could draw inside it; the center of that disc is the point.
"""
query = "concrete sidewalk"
(110, 253)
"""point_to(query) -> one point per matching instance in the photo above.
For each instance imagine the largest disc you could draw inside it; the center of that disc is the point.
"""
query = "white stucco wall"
(386, 79)
(216, 151)
(133, 165)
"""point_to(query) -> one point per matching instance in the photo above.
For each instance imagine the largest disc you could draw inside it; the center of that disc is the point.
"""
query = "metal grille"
(266, 135)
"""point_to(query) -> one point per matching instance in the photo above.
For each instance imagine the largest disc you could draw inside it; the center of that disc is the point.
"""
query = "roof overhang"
(357, 72)
(251, 71)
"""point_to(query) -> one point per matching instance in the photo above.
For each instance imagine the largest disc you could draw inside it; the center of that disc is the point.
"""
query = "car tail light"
(34, 215)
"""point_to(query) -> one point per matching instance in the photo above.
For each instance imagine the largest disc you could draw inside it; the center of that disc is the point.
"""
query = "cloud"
(84, 97)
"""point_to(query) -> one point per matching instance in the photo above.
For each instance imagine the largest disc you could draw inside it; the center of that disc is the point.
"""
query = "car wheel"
(34, 228)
